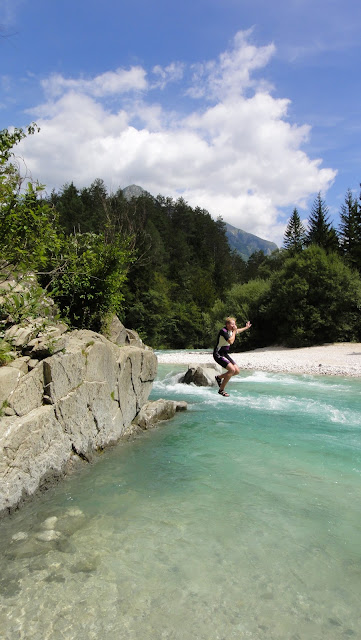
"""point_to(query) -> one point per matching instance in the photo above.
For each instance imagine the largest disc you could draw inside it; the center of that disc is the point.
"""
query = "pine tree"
(350, 230)
(320, 230)
(295, 234)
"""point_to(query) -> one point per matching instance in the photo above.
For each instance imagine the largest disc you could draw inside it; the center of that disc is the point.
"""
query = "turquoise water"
(238, 519)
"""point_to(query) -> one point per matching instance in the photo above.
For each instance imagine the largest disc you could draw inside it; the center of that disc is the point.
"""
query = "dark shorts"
(224, 361)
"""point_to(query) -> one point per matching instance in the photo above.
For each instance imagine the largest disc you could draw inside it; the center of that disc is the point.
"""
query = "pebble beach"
(338, 359)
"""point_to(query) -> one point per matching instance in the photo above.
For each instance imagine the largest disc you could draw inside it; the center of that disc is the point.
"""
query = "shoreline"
(337, 359)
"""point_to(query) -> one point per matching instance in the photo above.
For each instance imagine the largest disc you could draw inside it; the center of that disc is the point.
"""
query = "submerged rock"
(202, 375)
(48, 536)
(49, 523)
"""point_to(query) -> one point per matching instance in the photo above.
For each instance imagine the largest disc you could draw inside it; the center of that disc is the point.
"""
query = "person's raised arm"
(247, 326)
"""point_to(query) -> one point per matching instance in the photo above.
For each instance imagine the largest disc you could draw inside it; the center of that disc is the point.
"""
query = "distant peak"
(133, 191)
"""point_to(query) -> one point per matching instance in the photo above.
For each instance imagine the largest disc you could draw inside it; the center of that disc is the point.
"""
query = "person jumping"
(226, 337)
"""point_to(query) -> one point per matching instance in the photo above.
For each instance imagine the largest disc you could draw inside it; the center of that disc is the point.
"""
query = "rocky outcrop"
(202, 375)
(154, 412)
(58, 407)
(117, 333)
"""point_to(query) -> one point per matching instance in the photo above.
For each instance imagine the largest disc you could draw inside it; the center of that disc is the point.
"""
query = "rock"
(181, 405)
(48, 536)
(28, 394)
(153, 412)
(49, 523)
(201, 375)
(64, 372)
(18, 537)
(9, 377)
(52, 331)
(116, 332)
(19, 336)
(134, 339)
(22, 364)
(32, 363)
(8, 411)
(137, 369)
(71, 404)
(74, 512)
(32, 448)
(40, 348)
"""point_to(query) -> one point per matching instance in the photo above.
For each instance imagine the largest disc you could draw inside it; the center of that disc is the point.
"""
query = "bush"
(314, 299)
(88, 282)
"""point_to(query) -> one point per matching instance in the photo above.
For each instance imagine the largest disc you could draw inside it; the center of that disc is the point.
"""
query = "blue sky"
(246, 108)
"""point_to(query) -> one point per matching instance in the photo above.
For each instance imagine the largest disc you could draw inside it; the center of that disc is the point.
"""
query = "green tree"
(295, 234)
(350, 230)
(70, 208)
(254, 263)
(315, 298)
(320, 230)
(88, 280)
(247, 302)
(28, 225)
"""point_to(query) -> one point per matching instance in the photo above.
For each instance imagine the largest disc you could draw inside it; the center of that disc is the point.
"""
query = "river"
(240, 518)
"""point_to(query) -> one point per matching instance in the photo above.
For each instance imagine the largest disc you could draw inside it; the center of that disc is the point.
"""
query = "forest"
(166, 269)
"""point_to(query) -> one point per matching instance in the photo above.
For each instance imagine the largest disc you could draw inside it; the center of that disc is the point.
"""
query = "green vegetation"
(6, 354)
(84, 272)
(166, 269)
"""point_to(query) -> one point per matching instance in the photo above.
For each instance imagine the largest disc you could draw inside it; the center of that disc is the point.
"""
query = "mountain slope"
(241, 241)
(246, 243)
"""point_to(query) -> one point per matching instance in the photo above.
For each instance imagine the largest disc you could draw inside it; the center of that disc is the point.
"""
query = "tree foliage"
(295, 234)
(89, 278)
(320, 230)
(27, 223)
(315, 298)
(84, 272)
(183, 261)
(350, 230)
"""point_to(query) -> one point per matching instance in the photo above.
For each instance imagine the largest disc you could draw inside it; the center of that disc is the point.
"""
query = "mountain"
(241, 241)
(134, 191)
(246, 243)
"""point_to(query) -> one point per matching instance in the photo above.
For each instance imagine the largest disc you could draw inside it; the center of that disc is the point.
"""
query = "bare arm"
(234, 333)
(247, 326)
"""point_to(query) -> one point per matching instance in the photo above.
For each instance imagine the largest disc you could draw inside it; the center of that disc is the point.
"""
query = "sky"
(246, 108)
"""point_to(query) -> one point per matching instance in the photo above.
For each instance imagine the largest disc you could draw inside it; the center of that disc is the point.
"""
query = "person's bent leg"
(231, 370)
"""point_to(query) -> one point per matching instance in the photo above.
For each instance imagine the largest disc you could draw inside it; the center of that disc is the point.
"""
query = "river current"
(240, 518)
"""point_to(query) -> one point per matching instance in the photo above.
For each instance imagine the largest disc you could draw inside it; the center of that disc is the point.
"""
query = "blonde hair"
(230, 319)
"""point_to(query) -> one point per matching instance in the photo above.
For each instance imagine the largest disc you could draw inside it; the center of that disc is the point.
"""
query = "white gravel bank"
(339, 359)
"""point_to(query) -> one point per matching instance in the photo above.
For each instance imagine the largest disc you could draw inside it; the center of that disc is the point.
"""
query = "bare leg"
(232, 370)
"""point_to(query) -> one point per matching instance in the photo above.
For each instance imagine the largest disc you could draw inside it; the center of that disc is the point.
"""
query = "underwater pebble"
(48, 536)
(49, 523)
(74, 512)
(19, 536)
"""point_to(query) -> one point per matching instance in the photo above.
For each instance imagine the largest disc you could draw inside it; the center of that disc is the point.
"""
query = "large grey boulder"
(71, 404)
(202, 375)
(159, 410)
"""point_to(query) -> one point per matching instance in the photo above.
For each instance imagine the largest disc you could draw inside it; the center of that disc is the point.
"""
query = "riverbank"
(338, 359)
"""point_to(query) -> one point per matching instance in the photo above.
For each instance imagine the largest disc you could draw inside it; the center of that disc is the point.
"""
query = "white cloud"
(172, 73)
(108, 83)
(237, 156)
(231, 74)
